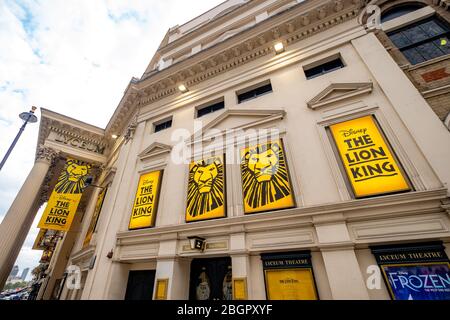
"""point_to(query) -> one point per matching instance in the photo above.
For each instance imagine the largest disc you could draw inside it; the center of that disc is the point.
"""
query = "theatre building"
(272, 149)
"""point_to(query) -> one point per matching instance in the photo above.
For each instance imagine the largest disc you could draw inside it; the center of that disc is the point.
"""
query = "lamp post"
(26, 117)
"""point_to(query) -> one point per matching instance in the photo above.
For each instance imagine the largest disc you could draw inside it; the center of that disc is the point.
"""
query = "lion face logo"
(73, 178)
(204, 176)
(205, 186)
(264, 165)
(264, 175)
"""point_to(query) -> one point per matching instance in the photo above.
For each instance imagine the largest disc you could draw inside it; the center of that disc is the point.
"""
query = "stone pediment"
(337, 92)
(155, 149)
(238, 119)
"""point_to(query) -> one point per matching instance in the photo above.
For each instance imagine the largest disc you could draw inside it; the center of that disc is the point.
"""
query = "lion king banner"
(66, 196)
(143, 214)
(265, 178)
(370, 165)
(94, 219)
(206, 189)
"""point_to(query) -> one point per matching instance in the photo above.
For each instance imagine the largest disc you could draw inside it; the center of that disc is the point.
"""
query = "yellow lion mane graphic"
(200, 202)
(73, 178)
(275, 185)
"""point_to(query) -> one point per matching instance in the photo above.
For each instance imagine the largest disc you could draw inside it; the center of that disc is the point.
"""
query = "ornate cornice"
(294, 26)
(290, 26)
(69, 127)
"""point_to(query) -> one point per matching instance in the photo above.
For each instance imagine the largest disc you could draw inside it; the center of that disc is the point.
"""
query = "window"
(323, 68)
(210, 108)
(163, 124)
(422, 41)
(254, 91)
(399, 11)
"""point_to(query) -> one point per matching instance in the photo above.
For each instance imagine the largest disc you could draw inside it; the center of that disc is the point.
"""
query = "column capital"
(46, 154)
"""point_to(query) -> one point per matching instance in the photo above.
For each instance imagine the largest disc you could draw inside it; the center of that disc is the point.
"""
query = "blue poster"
(419, 282)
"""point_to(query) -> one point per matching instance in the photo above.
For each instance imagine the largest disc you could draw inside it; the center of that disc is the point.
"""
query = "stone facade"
(217, 56)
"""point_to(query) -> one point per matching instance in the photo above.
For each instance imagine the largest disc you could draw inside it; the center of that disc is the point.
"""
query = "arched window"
(401, 10)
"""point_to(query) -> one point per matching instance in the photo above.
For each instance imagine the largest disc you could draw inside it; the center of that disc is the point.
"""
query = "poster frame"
(225, 203)
(153, 220)
(386, 280)
(343, 170)
(294, 200)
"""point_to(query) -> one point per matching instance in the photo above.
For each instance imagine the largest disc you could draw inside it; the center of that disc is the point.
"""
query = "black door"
(140, 285)
(210, 279)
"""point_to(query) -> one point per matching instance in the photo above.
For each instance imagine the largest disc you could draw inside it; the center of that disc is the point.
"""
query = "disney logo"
(352, 132)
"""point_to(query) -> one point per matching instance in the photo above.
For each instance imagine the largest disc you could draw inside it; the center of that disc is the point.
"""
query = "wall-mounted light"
(279, 47)
(197, 243)
(89, 182)
(183, 88)
(114, 136)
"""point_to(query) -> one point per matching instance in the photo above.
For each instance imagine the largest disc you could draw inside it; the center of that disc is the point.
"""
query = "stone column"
(240, 259)
(176, 269)
(341, 264)
(19, 218)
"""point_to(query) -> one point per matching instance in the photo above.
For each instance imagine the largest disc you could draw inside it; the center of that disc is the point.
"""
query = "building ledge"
(411, 203)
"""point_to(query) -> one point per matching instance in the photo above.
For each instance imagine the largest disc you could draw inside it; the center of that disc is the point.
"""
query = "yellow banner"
(37, 245)
(94, 219)
(290, 284)
(46, 256)
(145, 206)
(206, 189)
(370, 165)
(66, 195)
(265, 178)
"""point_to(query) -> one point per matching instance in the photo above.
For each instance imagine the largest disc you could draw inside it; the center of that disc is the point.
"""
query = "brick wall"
(432, 75)
(440, 105)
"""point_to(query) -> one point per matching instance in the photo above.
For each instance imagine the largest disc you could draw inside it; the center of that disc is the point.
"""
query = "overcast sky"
(74, 57)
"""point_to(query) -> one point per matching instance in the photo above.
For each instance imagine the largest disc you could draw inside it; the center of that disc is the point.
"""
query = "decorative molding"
(59, 130)
(338, 92)
(260, 117)
(144, 243)
(131, 129)
(155, 149)
(281, 239)
(83, 255)
(290, 26)
(399, 227)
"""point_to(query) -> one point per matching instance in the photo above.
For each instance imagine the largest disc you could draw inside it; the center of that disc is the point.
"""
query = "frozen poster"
(419, 282)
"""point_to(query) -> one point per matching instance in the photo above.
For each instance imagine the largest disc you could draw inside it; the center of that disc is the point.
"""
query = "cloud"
(74, 57)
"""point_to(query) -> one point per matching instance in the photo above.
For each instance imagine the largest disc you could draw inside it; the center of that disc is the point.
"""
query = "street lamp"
(26, 117)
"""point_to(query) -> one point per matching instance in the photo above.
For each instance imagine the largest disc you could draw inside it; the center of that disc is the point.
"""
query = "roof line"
(50, 112)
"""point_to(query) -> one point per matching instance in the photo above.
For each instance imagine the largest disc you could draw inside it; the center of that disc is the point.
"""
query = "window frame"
(160, 122)
(253, 89)
(323, 62)
(210, 104)
(430, 39)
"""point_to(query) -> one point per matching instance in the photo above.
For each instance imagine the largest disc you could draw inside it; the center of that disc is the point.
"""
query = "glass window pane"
(443, 44)
(415, 34)
(429, 51)
(399, 40)
(432, 28)
(413, 56)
